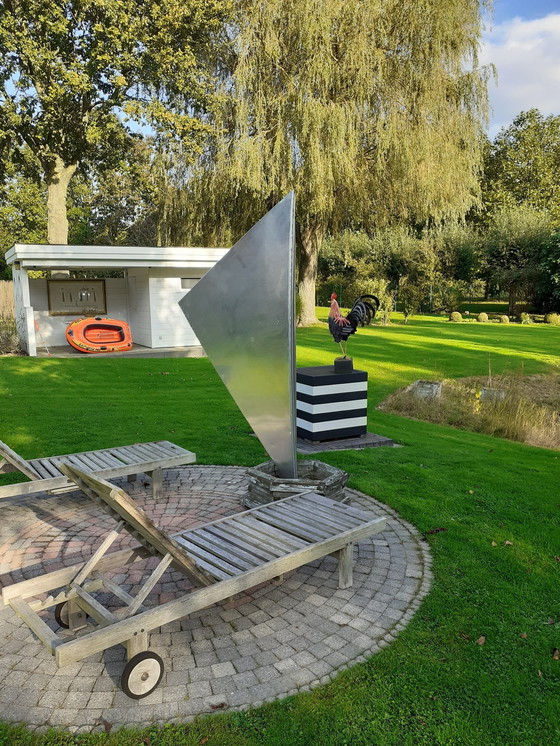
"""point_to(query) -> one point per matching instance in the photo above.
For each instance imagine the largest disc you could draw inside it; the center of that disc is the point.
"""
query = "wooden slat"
(126, 452)
(53, 469)
(240, 543)
(108, 460)
(19, 462)
(143, 453)
(334, 508)
(35, 623)
(169, 449)
(281, 518)
(151, 451)
(320, 517)
(212, 569)
(313, 498)
(227, 552)
(87, 461)
(196, 551)
(72, 460)
(41, 471)
(269, 535)
(81, 462)
(121, 455)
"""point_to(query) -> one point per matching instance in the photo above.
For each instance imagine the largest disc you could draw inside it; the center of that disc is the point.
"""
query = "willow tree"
(74, 74)
(372, 111)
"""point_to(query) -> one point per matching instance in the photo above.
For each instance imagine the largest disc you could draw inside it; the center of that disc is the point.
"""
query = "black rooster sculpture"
(362, 312)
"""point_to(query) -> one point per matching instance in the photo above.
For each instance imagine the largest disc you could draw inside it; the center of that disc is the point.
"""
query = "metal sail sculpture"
(243, 313)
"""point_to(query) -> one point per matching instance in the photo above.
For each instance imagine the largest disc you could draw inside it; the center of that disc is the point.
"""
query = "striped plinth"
(330, 405)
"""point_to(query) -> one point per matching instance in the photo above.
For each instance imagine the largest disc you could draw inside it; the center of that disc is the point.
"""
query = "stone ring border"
(233, 655)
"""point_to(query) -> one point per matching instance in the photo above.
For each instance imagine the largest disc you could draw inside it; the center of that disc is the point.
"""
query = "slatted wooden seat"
(222, 558)
(46, 476)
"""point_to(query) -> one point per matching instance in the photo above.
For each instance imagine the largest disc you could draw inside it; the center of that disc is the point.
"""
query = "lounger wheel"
(142, 674)
(61, 615)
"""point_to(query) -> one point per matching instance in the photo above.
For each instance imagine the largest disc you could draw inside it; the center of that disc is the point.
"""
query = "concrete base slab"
(369, 440)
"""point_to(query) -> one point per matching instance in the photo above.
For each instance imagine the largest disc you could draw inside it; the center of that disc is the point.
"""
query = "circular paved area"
(275, 640)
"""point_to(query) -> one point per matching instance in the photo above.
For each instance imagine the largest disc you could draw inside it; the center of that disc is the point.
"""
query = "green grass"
(434, 684)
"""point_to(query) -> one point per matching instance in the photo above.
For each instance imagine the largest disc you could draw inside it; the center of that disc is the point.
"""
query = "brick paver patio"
(276, 640)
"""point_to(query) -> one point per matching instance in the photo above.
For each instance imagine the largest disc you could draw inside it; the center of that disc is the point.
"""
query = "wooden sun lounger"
(222, 558)
(46, 476)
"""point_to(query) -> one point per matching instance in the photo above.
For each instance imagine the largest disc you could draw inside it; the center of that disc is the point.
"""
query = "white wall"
(138, 283)
(169, 325)
(52, 329)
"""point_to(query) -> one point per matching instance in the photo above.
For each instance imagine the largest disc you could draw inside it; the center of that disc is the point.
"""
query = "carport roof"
(62, 256)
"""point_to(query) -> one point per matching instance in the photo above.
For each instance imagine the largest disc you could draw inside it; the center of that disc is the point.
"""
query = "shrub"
(482, 317)
(552, 318)
(455, 317)
(526, 318)
(8, 335)
(504, 319)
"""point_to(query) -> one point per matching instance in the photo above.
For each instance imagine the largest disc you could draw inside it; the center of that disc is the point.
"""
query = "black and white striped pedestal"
(330, 405)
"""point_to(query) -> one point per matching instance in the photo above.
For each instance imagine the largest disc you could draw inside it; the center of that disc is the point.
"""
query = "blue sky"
(523, 42)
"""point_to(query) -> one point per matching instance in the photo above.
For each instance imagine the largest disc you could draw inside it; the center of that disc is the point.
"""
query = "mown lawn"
(436, 684)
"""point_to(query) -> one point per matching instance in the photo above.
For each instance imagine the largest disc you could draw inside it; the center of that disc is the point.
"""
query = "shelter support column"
(25, 320)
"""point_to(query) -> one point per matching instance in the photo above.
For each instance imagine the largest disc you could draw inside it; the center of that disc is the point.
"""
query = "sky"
(522, 40)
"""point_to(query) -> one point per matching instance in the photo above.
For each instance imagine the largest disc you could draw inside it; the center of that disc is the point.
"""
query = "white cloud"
(527, 57)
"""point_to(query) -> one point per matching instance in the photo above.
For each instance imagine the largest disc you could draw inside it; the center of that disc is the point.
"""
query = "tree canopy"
(523, 163)
(74, 74)
(372, 111)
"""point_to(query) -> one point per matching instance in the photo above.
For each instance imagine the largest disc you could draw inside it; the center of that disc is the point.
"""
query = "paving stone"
(260, 645)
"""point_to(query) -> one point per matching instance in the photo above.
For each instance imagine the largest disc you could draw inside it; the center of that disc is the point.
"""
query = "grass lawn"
(436, 684)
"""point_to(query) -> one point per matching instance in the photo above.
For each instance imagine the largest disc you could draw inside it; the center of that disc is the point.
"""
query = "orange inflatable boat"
(99, 335)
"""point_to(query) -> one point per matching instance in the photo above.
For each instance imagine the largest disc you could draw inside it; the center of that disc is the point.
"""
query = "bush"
(504, 319)
(526, 318)
(455, 317)
(482, 317)
(552, 318)
(8, 335)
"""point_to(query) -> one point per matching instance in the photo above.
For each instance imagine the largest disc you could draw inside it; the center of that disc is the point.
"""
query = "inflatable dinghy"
(99, 335)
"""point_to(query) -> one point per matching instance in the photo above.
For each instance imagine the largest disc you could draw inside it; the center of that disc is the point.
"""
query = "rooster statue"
(362, 312)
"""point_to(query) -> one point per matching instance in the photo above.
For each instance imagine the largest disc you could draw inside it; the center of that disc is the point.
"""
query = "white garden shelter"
(146, 296)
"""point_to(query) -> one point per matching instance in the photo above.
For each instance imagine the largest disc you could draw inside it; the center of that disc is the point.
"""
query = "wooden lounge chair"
(222, 558)
(46, 476)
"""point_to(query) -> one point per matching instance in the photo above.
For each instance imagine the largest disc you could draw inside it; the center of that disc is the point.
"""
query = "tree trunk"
(311, 239)
(58, 175)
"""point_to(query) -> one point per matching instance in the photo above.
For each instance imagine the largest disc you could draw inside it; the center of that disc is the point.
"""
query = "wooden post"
(76, 617)
(157, 483)
(346, 566)
(136, 644)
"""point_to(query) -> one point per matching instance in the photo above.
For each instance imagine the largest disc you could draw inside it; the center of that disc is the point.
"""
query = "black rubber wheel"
(61, 615)
(141, 675)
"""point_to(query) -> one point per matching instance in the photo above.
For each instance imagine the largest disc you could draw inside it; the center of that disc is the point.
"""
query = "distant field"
(476, 666)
